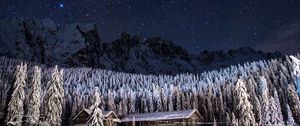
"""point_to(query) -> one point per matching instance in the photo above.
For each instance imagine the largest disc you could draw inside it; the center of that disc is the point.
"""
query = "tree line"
(258, 93)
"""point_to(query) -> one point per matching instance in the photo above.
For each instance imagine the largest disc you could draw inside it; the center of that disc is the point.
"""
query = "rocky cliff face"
(45, 42)
(76, 45)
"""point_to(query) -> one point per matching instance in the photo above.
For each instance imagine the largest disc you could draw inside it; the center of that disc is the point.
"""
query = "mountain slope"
(79, 45)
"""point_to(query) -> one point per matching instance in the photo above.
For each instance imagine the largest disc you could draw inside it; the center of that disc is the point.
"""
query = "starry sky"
(196, 25)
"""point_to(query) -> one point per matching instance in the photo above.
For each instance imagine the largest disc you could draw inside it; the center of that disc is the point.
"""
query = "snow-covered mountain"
(77, 44)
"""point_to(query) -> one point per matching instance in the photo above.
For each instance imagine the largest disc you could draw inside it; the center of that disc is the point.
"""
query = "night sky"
(196, 25)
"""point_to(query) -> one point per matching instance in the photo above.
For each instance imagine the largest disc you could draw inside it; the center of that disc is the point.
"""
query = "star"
(182, 22)
(61, 5)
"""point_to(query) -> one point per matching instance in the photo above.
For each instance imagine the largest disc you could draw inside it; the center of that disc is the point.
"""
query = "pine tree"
(215, 122)
(183, 101)
(54, 99)
(294, 102)
(296, 72)
(144, 108)
(111, 101)
(234, 121)
(273, 110)
(265, 106)
(33, 112)
(257, 110)
(96, 118)
(243, 106)
(290, 121)
(228, 120)
(170, 103)
(210, 111)
(124, 104)
(178, 100)
(276, 107)
(220, 107)
(151, 104)
(195, 101)
(15, 105)
(132, 102)
(209, 105)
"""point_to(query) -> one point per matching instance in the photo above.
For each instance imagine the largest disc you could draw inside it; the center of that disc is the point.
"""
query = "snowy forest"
(258, 93)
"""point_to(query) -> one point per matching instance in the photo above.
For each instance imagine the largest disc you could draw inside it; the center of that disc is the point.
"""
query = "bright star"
(61, 5)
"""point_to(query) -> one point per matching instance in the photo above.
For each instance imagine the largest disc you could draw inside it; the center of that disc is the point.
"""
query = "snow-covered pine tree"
(294, 103)
(277, 115)
(209, 105)
(243, 106)
(144, 108)
(251, 86)
(119, 110)
(220, 107)
(188, 101)
(15, 105)
(273, 112)
(296, 73)
(33, 111)
(215, 122)
(290, 121)
(228, 120)
(234, 121)
(164, 100)
(124, 104)
(111, 101)
(96, 117)
(178, 99)
(195, 100)
(183, 101)
(257, 110)
(132, 102)
(54, 99)
(151, 104)
(170, 103)
(264, 92)
(209, 112)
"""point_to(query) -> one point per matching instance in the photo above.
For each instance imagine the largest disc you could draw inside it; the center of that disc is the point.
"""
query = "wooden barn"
(110, 118)
(173, 118)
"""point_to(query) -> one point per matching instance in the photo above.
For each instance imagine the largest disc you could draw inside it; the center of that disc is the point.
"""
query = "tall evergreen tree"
(290, 121)
(257, 110)
(111, 101)
(228, 120)
(275, 120)
(265, 106)
(54, 99)
(15, 105)
(96, 117)
(234, 121)
(33, 112)
(296, 72)
(243, 107)
(277, 113)
(294, 103)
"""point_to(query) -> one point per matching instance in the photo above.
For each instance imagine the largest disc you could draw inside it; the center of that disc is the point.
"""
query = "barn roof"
(89, 112)
(157, 116)
(105, 113)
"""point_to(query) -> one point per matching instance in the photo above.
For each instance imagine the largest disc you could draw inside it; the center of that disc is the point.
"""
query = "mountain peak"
(79, 44)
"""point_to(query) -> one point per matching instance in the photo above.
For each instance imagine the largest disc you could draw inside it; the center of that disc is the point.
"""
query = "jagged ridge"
(76, 45)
